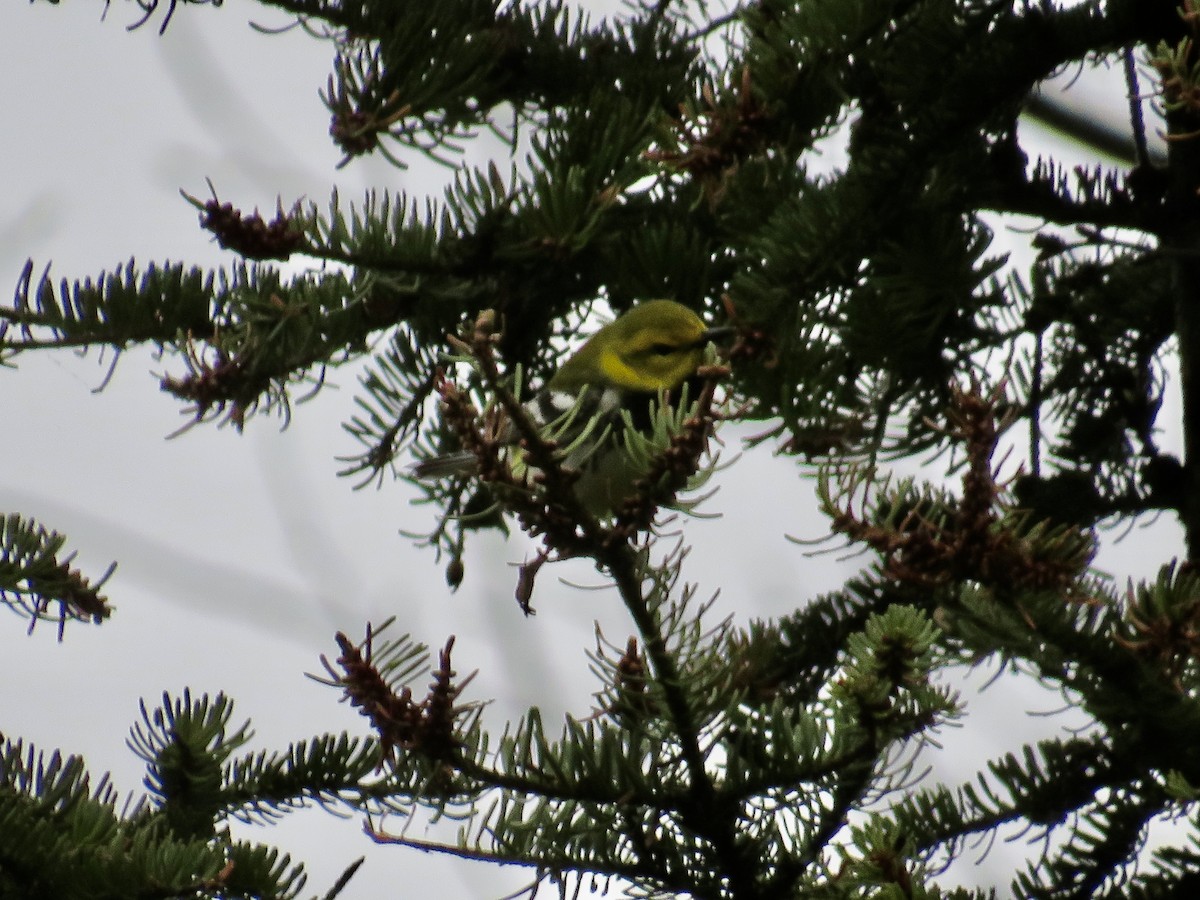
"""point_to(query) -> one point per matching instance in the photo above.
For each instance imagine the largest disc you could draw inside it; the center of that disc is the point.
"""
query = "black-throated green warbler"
(614, 381)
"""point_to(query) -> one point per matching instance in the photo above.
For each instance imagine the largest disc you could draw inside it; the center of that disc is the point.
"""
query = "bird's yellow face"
(657, 355)
(653, 347)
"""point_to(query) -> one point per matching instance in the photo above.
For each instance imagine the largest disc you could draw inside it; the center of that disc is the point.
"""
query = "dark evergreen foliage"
(677, 150)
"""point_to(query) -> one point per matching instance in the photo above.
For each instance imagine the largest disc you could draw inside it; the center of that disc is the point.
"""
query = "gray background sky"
(241, 555)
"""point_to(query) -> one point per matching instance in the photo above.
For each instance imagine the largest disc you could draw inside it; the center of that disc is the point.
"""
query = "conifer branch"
(770, 761)
(571, 530)
(68, 833)
(34, 576)
(1183, 236)
(929, 541)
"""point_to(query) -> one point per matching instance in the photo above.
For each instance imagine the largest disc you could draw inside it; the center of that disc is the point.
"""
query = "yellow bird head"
(653, 347)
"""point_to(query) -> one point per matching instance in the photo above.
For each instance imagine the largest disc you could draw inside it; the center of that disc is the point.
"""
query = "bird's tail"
(445, 466)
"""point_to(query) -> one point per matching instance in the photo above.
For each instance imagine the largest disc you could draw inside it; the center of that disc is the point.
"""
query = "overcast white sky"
(240, 555)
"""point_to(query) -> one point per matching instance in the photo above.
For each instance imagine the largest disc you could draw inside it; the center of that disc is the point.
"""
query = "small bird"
(647, 352)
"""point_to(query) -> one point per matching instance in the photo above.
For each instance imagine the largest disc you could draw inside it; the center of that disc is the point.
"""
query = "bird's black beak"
(718, 335)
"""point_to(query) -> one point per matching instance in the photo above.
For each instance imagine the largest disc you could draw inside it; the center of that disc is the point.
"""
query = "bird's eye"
(661, 349)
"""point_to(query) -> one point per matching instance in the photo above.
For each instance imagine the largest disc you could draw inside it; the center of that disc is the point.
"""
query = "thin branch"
(1141, 154)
